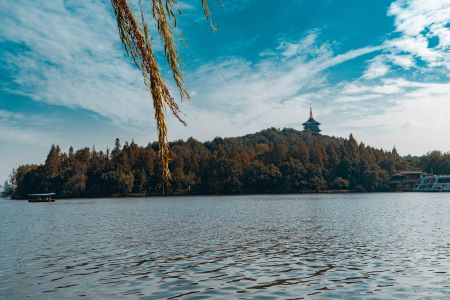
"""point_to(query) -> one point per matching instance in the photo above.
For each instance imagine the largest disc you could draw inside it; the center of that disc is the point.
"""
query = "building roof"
(311, 123)
(311, 120)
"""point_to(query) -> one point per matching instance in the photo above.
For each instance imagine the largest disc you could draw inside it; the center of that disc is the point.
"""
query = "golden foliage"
(135, 38)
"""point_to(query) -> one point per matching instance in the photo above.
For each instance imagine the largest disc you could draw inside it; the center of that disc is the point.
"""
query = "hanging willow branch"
(135, 38)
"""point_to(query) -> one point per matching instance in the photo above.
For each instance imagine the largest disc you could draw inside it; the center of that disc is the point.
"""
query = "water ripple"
(252, 247)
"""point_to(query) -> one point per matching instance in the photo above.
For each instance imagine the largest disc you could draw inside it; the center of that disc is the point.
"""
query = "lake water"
(249, 247)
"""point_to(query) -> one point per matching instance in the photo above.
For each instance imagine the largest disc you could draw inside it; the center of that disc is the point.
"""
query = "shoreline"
(131, 196)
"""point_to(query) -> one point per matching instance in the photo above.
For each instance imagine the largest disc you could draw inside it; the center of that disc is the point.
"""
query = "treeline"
(270, 161)
(434, 162)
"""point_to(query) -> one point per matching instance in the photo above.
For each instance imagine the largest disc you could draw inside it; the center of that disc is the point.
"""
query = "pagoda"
(311, 125)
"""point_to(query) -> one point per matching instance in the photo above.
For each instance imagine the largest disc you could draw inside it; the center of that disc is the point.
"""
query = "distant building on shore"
(406, 181)
(311, 125)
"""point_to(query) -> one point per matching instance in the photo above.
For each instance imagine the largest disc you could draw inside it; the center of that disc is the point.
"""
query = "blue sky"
(378, 69)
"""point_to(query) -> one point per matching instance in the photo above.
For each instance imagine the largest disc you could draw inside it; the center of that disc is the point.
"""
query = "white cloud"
(236, 96)
(419, 22)
(73, 58)
(423, 36)
(240, 91)
(307, 46)
(405, 61)
(417, 124)
(6, 115)
(377, 68)
(12, 131)
(27, 136)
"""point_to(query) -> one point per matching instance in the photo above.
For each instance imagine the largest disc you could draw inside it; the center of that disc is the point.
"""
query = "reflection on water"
(265, 247)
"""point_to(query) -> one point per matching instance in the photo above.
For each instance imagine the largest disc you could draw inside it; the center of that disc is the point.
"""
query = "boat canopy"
(41, 195)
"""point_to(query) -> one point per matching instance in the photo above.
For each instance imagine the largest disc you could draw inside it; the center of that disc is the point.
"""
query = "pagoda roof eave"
(311, 121)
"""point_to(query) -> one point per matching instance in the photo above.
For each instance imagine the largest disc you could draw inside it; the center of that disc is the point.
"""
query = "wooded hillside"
(270, 161)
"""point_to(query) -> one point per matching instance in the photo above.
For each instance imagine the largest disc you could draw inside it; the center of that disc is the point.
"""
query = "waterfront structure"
(311, 125)
(433, 183)
(405, 181)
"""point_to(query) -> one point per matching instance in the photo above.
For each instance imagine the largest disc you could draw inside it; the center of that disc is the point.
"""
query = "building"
(311, 125)
(406, 181)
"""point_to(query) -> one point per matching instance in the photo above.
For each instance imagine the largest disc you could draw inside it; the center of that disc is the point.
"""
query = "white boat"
(433, 183)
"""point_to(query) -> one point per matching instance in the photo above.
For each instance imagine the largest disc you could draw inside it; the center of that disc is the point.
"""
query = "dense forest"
(270, 161)
(435, 162)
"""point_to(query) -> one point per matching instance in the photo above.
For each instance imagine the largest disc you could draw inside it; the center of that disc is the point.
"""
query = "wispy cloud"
(12, 131)
(73, 58)
(235, 96)
(377, 68)
(235, 84)
(423, 42)
(236, 5)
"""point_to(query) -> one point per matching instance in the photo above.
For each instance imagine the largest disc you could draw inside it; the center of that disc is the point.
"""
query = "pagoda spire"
(311, 125)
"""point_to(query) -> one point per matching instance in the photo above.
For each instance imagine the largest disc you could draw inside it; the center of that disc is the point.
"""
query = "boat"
(34, 198)
(433, 183)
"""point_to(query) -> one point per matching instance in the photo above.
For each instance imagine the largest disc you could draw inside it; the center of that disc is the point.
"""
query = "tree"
(262, 178)
(294, 176)
(436, 162)
(270, 161)
(222, 176)
(135, 38)
(19, 185)
(53, 161)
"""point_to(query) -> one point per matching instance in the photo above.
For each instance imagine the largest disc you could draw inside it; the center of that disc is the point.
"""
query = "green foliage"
(435, 162)
(270, 161)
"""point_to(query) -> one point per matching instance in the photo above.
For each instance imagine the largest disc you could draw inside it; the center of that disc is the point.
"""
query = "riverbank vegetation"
(435, 162)
(270, 161)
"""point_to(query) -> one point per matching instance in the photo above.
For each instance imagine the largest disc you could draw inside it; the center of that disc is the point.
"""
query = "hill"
(270, 161)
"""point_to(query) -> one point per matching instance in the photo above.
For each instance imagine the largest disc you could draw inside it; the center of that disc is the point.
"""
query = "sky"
(377, 69)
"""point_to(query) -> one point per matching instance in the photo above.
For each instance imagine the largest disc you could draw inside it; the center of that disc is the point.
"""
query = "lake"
(237, 247)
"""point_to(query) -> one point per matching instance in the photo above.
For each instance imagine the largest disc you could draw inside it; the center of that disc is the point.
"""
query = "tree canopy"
(270, 161)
